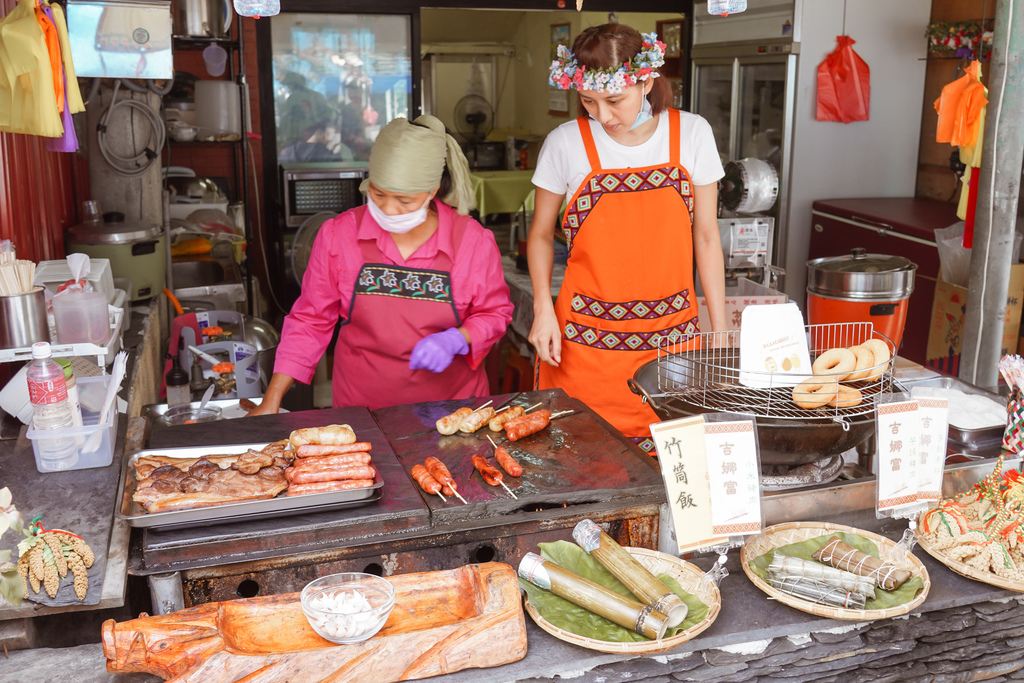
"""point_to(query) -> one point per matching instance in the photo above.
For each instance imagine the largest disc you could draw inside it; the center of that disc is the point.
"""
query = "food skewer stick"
(535, 405)
(492, 442)
(490, 474)
(484, 405)
(508, 489)
(438, 470)
(455, 491)
(563, 413)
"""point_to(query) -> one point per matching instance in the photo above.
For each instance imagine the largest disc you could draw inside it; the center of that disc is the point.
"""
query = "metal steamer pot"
(137, 251)
(861, 287)
(782, 441)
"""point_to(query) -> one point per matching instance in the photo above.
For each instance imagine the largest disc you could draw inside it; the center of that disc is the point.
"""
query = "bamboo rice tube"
(642, 583)
(783, 566)
(818, 592)
(843, 556)
(627, 613)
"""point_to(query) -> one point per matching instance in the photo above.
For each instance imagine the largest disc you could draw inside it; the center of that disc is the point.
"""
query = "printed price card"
(734, 476)
(898, 435)
(684, 467)
(931, 448)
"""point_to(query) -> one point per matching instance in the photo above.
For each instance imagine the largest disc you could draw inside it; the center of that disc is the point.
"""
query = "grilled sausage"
(310, 450)
(331, 434)
(449, 424)
(448, 490)
(305, 476)
(499, 420)
(476, 419)
(423, 478)
(527, 424)
(507, 462)
(333, 461)
(491, 475)
(440, 472)
(323, 486)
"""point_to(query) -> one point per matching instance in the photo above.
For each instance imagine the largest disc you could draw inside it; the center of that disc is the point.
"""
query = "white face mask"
(400, 223)
(644, 114)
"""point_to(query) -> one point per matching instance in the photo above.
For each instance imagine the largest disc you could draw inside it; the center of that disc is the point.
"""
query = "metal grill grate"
(704, 371)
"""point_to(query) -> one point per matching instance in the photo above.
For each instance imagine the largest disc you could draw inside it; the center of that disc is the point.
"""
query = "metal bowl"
(782, 441)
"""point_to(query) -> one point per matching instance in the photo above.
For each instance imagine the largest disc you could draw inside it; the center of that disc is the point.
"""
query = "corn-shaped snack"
(81, 574)
(53, 540)
(80, 547)
(51, 581)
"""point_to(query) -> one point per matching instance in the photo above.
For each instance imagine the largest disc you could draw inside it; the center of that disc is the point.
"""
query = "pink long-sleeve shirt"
(478, 285)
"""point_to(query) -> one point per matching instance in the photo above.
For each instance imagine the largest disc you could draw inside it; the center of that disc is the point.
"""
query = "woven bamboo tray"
(689, 578)
(964, 569)
(796, 532)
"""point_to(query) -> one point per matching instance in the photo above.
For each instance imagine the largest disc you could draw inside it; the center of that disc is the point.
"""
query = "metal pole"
(996, 216)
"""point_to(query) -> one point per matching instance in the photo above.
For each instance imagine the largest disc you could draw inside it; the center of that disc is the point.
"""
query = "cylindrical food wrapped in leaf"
(843, 556)
(627, 613)
(783, 567)
(634, 575)
(818, 592)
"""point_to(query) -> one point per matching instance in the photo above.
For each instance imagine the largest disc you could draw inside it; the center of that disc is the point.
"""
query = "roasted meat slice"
(203, 468)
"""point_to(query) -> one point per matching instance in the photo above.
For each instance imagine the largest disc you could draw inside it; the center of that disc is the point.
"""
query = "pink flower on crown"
(564, 82)
(644, 72)
(661, 45)
(577, 78)
(630, 80)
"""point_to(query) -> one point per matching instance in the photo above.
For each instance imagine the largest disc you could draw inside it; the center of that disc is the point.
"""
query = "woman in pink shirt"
(416, 282)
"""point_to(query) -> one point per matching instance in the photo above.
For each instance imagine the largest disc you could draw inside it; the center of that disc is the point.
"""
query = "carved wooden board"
(442, 622)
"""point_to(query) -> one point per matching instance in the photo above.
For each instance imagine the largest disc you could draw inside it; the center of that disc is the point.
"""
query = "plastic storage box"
(52, 274)
(95, 441)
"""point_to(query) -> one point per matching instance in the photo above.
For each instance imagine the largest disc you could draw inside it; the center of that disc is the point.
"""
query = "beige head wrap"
(410, 158)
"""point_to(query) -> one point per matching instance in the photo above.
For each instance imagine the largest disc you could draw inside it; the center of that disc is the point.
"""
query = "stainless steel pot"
(861, 276)
(203, 18)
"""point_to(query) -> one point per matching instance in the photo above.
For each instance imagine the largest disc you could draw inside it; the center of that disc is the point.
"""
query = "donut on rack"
(836, 363)
(815, 392)
(846, 397)
(880, 355)
(865, 359)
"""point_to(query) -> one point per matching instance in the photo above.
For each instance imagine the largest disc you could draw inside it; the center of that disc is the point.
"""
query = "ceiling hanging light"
(257, 8)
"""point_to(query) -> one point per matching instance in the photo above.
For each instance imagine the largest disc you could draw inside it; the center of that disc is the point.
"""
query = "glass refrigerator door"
(761, 111)
(713, 99)
(338, 78)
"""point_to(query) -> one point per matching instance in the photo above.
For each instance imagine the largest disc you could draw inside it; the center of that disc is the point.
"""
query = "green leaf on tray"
(575, 619)
(806, 549)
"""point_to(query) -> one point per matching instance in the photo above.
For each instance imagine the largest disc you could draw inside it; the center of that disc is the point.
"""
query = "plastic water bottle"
(51, 409)
(721, 7)
(257, 8)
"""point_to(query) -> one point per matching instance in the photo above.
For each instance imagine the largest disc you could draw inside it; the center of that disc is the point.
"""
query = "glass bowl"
(186, 415)
(348, 607)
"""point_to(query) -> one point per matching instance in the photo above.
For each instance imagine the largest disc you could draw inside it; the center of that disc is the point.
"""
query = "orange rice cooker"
(861, 287)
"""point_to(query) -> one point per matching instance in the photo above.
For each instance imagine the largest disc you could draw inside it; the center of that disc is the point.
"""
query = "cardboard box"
(945, 332)
(745, 293)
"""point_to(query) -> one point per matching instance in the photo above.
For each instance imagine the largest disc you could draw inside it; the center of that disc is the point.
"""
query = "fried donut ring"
(880, 352)
(815, 392)
(836, 363)
(846, 397)
(865, 359)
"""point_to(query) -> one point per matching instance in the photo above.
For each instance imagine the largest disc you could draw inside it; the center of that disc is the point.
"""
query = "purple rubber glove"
(437, 351)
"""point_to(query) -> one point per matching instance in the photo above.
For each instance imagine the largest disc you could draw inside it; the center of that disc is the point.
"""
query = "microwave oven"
(310, 188)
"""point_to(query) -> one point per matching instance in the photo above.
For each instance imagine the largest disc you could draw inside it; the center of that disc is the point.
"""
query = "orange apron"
(628, 283)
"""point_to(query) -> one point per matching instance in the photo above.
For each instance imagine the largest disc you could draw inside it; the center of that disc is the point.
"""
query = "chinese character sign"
(734, 477)
(931, 449)
(684, 468)
(898, 437)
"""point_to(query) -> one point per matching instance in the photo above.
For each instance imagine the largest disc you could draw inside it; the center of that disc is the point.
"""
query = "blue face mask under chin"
(644, 114)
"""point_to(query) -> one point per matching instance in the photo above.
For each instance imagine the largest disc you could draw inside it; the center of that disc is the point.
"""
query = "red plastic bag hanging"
(844, 85)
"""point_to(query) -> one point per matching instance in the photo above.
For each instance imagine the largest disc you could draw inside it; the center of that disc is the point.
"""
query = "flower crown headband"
(567, 74)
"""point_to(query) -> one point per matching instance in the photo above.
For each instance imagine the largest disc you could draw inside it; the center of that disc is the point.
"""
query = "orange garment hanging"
(74, 93)
(52, 41)
(959, 108)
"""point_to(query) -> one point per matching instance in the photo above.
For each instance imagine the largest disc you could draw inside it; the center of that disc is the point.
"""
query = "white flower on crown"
(566, 74)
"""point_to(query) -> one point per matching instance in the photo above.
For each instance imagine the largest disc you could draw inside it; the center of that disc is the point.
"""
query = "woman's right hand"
(271, 403)
(546, 337)
(266, 407)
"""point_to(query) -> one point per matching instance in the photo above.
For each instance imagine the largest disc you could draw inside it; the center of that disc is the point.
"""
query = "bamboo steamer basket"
(689, 578)
(962, 568)
(796, 532)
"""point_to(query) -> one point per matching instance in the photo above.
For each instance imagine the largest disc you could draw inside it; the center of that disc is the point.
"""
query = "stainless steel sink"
(188, 274)
(209, 285)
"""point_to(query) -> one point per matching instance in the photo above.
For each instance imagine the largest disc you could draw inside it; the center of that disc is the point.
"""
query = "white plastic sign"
(734, 477)
(898, 435)
(931, 448)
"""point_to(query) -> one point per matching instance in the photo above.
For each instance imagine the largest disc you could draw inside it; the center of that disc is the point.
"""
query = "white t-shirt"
(562, 164)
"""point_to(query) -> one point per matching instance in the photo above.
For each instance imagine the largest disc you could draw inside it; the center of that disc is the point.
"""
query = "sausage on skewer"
(491, 475)
(439, 472)
(498, 421)
(505, 459)
(527, 424)
(476, 419)
(449, 424)
(425, 480)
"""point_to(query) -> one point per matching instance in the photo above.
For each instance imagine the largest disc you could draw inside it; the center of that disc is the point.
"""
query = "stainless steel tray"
(133, 513)
(971, 438)
(229, 410)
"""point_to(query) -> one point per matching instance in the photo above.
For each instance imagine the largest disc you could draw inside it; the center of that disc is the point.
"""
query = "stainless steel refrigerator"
(755, 80)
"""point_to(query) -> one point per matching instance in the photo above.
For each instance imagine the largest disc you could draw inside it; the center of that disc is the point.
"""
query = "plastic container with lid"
(861, 287)
(92, 390)
(81, 318)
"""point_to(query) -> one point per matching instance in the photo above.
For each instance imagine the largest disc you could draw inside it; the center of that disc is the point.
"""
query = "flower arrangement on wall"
(960, 39)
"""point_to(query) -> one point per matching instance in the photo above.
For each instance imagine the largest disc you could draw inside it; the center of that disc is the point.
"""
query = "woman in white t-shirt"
(641, 184)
